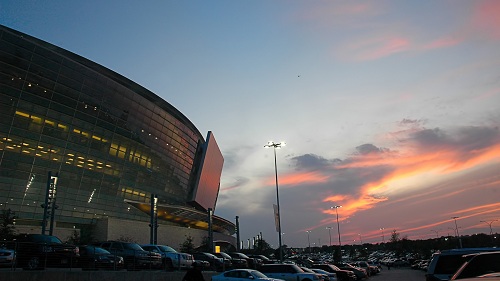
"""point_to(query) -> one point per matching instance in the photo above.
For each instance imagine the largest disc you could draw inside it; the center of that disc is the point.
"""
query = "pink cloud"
(375, 48)
(485, 19)
(442, 43)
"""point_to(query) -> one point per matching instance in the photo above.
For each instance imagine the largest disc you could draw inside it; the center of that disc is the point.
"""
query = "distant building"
(112, 144)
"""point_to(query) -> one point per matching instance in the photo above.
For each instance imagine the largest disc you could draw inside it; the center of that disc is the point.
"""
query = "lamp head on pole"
(276, 145)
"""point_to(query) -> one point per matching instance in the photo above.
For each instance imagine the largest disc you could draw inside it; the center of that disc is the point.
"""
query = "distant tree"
(187, 246)
(7, 227)
(394, 236)
(205, 245)
(124, 238)
(262, 247)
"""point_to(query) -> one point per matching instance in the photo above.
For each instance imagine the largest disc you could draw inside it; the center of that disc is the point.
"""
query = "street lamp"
(456, 230)
(338, 228)
(308, 241)
(360, 240)
(489, 223)
(330, 234)
(383, 237)
(437, 233)
(277, 146)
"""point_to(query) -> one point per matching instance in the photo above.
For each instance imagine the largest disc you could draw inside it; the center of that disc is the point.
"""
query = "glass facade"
(108, 138)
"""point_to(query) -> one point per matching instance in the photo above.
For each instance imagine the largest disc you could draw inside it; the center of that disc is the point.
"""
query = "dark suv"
(37, 251)
(253, 263)
(445, 263)
(134, 256)
(216, 263)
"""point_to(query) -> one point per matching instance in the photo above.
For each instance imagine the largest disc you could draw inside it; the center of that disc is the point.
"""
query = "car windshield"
(133, 246)
(258, 274)
(47, 239)
(97, 250)
(167, 249)
(239, 255)
(224, 255)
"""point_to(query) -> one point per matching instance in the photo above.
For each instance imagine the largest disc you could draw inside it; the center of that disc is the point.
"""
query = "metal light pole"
(338, 228)
(330, 234)
(308, 241)
(437, 233)
(489, 223)
(277, 146)
(456, 230)
(383, 237)
(360, 240)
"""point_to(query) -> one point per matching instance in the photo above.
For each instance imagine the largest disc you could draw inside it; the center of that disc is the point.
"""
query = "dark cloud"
(410, 122)
(429, 138)
(312, 162)
(473, 138)
(464, 139)
(367, 149)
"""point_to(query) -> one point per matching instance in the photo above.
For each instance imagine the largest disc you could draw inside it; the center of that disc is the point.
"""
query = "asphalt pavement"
(399, 274)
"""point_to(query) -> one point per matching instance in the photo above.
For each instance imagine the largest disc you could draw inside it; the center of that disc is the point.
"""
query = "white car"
(170, 257)
(242, 274)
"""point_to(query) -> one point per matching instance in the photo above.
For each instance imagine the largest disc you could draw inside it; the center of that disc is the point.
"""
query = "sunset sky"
(388, 108)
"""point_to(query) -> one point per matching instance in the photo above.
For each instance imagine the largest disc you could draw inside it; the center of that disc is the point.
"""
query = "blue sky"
(389, 108)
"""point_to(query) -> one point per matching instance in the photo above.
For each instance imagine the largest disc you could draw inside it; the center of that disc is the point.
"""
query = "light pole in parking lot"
(383, 237)
(338, 228)
(490, 223)
(278, 215)
(308, 241)
(456, 231)
(330, 234)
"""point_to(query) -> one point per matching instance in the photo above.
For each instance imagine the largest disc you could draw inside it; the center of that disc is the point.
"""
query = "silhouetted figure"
(194, 274)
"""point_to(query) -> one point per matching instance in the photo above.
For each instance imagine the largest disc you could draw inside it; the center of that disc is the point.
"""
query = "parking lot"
(398, 274)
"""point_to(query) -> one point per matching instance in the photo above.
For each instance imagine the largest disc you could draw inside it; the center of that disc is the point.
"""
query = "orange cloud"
(299, 178)
(445, 160)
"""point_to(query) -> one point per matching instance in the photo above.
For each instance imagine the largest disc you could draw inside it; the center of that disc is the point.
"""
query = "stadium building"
(85, 149)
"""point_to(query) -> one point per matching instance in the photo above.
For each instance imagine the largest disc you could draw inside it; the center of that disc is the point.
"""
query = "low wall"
(96, 275)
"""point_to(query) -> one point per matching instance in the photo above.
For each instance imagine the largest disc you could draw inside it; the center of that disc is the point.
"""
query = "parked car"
(370, 269)
(170, 257)
(445, 263)
(359, 272)
(321, 276)
(93, 257)
(134, 256)
(216, 263)
(265, 260)
(235, 262)
(342, 275)
(243, 274)
(331, 276)
(254, 263)
(37, 251)
(479, 264)
(288, 272)
(7, 257)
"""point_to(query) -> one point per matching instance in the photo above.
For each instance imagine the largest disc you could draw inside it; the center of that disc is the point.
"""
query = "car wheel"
(33, 263)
